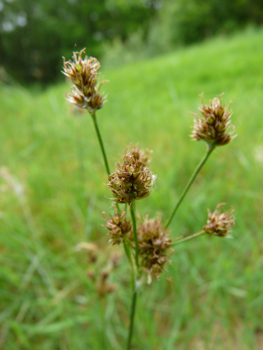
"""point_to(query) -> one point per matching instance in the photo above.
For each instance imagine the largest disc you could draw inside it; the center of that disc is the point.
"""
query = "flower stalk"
(101, 143)
(133, 308)
(200, 165)
(195, 235)
(132, 211)
(135, 274)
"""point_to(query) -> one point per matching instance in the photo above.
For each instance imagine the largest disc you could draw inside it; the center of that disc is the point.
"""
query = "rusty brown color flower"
(132, 180)
(214, 127)
(118, 226)
(219, 224)
(83, 73)
(141, 157)
(154, 246)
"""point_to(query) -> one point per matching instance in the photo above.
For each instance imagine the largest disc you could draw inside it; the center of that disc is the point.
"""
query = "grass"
(215, 299)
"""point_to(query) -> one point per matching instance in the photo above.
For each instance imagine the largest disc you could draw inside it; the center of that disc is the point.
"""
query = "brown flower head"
(214, 124)
(118, 227)
(142, 158)
(219, 224)
(132, 180)
(84, 75)
(154, 246)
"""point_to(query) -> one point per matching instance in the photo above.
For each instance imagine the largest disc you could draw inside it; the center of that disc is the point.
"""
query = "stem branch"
(209, 151)
(188, 238)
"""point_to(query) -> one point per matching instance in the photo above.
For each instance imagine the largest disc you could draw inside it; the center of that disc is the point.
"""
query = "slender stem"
(188, 238)
(128, 253)
(102, 149)
(133, 308)
(132, 210)
(134, 275)
(101, 143)
(209, 151)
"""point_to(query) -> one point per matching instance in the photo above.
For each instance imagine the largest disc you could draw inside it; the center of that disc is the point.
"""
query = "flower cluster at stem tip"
(83, 73)
(118, 227)
(219, 224)
(154, 246)
(132, 180)
(214, 124)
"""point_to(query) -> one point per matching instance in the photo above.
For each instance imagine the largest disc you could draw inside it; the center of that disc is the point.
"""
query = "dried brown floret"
(219, 224)
(214, 124)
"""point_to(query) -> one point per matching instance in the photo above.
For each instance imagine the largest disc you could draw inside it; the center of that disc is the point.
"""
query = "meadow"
(52, 190)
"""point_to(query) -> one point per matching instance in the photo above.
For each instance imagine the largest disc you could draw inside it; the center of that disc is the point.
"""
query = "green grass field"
(215, 297)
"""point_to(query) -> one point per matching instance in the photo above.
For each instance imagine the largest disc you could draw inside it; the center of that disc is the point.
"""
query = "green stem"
(132, 210)
(133, 308)
(209, 151)
(128, 253)
(188, 238)
(101, 143)
(102, 149)
(134, 275)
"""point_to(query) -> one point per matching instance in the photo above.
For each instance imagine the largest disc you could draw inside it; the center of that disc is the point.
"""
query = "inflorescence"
(219, 224)
(132, 180)
(83, 73)
(214, 124)
(154, 246)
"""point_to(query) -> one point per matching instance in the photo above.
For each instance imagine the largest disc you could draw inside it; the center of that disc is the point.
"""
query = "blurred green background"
(159, 56)
(35, 34)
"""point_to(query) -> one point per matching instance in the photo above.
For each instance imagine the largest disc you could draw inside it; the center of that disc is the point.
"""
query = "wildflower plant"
(148, 243)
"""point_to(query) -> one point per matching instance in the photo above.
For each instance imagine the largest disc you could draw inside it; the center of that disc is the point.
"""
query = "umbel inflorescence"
(83, 73)
(148, 246)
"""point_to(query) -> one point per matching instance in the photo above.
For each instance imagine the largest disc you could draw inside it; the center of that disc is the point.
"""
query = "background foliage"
(34, 35)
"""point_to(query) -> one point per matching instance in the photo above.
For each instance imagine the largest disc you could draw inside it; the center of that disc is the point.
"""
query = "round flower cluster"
(132, 180)
(154, 246)
(212, 127)
(118, 227)
(83, 73)
(219, 224)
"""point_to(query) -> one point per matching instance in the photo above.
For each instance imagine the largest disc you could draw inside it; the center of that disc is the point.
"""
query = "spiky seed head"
(219, 224)
(83, 73)
(132, 180)
(154, 246)
(214, 127)
(118, 226)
